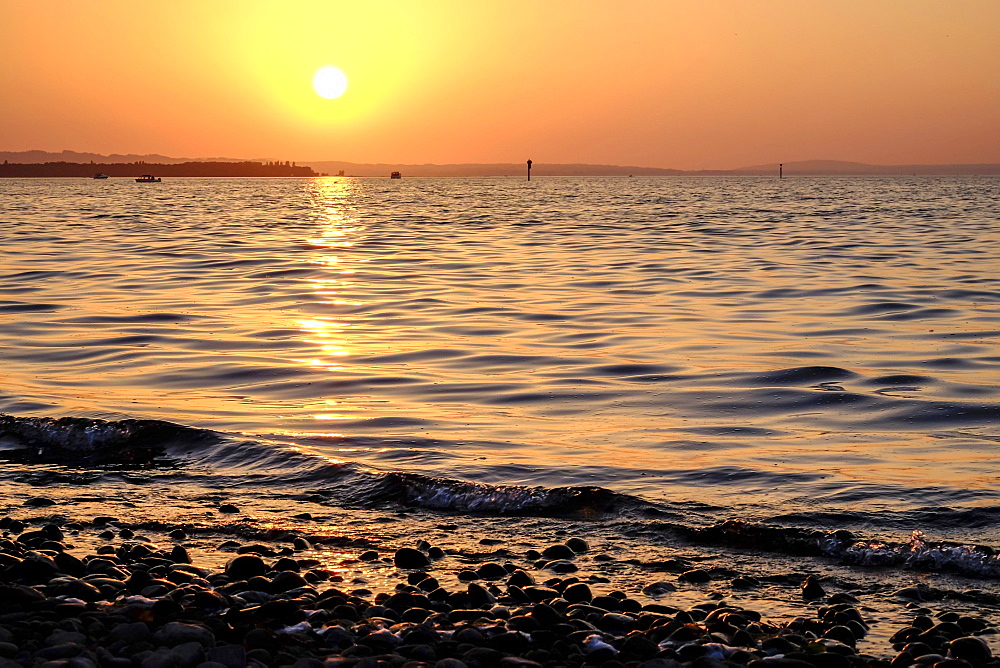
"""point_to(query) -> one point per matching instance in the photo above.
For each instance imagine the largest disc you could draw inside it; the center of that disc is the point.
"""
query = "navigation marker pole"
(529, 170)
(781, 169)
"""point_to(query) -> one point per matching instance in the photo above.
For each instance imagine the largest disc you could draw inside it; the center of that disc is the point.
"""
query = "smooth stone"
(696, 575)
(410, 558)
(177, 633)
(62, 637)
(578, 592)
(555, 552)
(578, 545)
(841, 634)
(971, 649)
(230, 656)
(520, 578)
(189, 653)
(245, 567)
(658, 589)
(811, 588)
(63, 651)
(492, 571)
(638, 648)
(561, 566)
(617, 623)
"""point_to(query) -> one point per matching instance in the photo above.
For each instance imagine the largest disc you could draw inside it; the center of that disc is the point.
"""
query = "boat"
(395, 175)
(147, 178)
(99, 176)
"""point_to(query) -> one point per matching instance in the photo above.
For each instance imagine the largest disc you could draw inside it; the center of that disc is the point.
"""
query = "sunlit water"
(765, 347)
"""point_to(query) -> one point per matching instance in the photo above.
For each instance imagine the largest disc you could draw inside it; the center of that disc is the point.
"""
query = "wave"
(85, 441)
(82, 449)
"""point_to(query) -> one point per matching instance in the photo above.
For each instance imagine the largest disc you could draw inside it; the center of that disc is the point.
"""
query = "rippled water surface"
(758, 345)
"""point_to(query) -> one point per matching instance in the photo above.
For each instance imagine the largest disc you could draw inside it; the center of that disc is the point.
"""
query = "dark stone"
(69, 564)
(658, 589)
(539, 594)
(231, 656)
(179, 555)
(696, 575)
(841, 634)
(410, 558)
(558, 552)
(812, 589)
(973, 650)
(561, 566)
(952, 663)
(546, 615)
(479, 596)
(520, 578)
(578, 592)
(517, 662)
(578, 545)
(415, 615)
(369, 555)
(778, 645)
(286, 564)
(617, 623)
(492, 571)
(63, 651)
(783, 662)
(745, 582)
(39, 502)
(638, 648)
(228, 508)
(245, 567)
(287, 580)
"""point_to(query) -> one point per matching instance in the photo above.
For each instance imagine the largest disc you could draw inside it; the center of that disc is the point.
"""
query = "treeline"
(133, 169)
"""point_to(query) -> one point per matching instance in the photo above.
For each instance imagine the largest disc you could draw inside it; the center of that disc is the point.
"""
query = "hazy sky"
(688, 84)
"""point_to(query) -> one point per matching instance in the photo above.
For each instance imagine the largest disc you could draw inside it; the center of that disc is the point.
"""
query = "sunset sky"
(694, 84)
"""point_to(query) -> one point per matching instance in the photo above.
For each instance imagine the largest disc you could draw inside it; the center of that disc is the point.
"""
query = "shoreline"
(541, 592)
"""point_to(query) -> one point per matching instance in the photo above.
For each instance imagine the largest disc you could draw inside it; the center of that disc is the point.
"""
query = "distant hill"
(801, 168)
(486, 169)
(539, 168)
(134, 169)
(36, 157)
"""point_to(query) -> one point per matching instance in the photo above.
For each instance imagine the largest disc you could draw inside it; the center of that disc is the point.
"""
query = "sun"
(330, 83)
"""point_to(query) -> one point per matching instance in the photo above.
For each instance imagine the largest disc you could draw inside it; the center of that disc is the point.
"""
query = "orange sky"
(693, 84)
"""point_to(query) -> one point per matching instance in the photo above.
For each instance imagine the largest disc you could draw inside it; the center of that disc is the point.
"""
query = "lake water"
(812, 353)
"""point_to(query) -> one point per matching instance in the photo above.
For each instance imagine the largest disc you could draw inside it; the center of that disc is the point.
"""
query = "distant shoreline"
(27, 164)
(135, 169)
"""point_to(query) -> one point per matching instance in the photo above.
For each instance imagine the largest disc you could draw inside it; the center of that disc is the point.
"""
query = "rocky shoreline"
(135, 602)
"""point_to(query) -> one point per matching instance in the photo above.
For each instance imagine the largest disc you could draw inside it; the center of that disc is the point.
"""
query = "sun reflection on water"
(338, 228)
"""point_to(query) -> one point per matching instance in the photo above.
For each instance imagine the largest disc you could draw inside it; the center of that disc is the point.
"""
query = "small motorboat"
(147, 178)
(395, 175)
(99, 176)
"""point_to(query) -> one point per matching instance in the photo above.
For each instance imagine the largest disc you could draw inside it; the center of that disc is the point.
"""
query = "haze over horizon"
(709, 85)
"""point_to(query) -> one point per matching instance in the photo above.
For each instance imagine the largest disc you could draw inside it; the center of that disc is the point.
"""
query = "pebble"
(279, 613)
(410, 558)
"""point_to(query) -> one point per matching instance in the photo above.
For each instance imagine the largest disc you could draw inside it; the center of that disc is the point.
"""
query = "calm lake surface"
(811, 351)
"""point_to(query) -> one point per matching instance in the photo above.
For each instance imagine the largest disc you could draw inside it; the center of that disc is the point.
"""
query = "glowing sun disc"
(330, 83)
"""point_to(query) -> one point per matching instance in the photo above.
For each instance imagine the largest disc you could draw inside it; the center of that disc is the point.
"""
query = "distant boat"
(395, 175)
(99, 176)
(147, 178)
